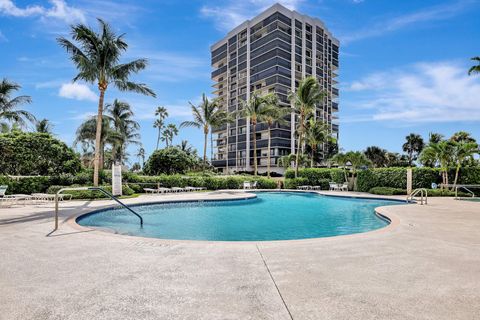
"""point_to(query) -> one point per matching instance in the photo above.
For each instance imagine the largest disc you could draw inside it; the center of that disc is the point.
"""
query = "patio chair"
(150, 190)
(316, 188)
(177, 189)
(333, 186)
(343, 187)
(164, 190)
(247, 185)
(254, 185)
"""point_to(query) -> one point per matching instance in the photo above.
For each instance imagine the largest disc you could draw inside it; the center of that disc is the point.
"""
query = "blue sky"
(403, 63)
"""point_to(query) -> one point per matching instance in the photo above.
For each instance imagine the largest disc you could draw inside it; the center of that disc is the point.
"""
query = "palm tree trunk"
(268, 150)
(98, 136)
(158, 138)
(205, 149)
(313, 154)
(255, 147)
(456, 176)
(300, 134)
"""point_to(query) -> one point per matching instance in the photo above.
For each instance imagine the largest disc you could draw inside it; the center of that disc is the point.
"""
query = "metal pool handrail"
(108, 194)
(423, 193)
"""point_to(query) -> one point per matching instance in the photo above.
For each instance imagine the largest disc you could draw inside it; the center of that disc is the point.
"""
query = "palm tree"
(162, 114)
(316, 134)
(141, 155)
(462, 152)
(377, 156)
(8, 105)
(304, 99)
(462, 136)
(86, 134)
(286, 161)
(273, 114)
(413, 147)
(97, 56)
(205, 116)
(255, 109)
(341, 160)
(475, 69)
(357, 160)
(187, 148)
(43, 126)
(169, 133)
(120, 115)
(435, 137)
(440, 153)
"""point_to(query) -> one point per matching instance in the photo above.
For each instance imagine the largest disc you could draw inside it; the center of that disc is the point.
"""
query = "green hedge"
(85, 194)
(422, 177)
(386, 191)
(314, 176)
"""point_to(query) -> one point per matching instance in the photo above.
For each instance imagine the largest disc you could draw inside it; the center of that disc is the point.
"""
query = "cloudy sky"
(403, 63)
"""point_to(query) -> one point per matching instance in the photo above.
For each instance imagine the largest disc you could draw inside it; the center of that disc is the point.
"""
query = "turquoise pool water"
(270, 216)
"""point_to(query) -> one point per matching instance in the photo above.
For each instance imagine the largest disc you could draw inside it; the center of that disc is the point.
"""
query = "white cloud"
(77, 91)
(234, 12)
(424, 92)
(433, 13)
(58, 10)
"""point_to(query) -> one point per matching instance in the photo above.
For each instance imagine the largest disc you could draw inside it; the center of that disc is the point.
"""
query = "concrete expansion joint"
(274, 283)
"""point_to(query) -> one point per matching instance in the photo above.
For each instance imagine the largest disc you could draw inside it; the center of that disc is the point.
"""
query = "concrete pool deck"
(426, 267)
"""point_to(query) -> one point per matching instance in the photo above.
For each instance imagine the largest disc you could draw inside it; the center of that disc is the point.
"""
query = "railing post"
(56, 211)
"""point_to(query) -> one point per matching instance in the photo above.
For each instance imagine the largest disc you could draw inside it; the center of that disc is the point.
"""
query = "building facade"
(270, 53)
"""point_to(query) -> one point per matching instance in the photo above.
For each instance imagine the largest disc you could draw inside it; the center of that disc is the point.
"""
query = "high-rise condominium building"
(270, 53)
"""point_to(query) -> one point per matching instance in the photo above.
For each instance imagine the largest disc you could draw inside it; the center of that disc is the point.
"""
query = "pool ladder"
(423, 195)
(108, 194)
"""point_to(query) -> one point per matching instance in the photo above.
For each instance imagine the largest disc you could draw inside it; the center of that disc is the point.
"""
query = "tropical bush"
(32, 153)
(86, 194)
(387, 191)
(170, 160)
(314, 175)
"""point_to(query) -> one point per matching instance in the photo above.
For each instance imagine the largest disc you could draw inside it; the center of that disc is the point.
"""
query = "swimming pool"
(269, 216)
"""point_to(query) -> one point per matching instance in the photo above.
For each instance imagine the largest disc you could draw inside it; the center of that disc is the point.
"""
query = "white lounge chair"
(150, 190)
(254, 185)
(177, 189)
(3, 190)
(343, 187)
(333, 186)
(316, 188)
(247, 185)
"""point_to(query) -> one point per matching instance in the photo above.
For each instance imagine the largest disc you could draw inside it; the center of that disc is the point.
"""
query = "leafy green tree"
(257, 107)
(162, 114)
(377, 156)
(287, 160)
(475, 69)
(317, 135)
(304, 99)
(44, 126)
(186, 147)
(32, 153)
(341, 160)
(97, 56)
(395, 159)
(413, 146)
(435, 137)
(9, 105)
(170, 160)
(205, 116)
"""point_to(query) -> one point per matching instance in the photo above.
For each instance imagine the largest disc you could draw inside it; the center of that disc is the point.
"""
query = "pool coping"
(393, 219)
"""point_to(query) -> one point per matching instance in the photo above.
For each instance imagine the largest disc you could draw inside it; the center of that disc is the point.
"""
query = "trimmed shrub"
(295, 182)
(316, 176)
(86, 194)
(386, 191)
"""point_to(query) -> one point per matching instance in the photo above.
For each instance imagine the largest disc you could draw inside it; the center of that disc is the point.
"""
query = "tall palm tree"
(341, 160)
(304, 99)
(121, 115)
(97, 58)
(475, 69)
(9, 105)
(462, 136)
(316, 134)
(43, 126)
(435, 137)
(169, 133)
(413, 146)
(187, 148)
(162, 114)
(273, 114)
(377, 156)
(205, 116)
(357, 160)
(141, 155)
(255, 109)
